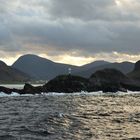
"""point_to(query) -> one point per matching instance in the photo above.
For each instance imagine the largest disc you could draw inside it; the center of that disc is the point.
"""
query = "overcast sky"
(70, 31)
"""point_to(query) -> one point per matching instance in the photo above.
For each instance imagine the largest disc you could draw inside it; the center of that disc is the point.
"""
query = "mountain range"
(42, 68)
(33, 67)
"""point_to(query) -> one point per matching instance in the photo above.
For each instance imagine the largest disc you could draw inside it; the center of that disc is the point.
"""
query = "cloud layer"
(76, 28)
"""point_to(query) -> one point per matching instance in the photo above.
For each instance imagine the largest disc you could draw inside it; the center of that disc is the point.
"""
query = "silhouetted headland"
(106, 80)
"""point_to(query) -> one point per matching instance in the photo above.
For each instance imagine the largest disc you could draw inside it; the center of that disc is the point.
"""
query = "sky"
(70, 31)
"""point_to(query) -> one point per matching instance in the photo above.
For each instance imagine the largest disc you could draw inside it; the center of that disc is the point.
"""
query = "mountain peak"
(30, 56)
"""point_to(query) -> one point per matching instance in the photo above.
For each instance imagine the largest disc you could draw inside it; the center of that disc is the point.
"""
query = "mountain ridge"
(45, 69)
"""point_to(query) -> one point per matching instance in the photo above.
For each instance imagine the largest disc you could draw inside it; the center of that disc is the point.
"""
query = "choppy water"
(67, 117)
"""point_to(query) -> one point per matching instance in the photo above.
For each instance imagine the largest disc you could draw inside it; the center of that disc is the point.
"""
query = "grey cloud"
(81, 9)
(94, 9)
(86, 27)
(89, 38)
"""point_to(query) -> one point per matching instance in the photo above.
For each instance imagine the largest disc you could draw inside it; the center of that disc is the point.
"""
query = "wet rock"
(31, 89)
(5, 90)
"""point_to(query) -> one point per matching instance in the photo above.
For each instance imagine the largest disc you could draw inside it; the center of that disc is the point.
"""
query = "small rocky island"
(106, 80)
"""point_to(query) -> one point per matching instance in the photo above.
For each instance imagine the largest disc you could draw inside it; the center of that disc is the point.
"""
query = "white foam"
(99, 93)
(72, 94)
(82, 93)
(2, 94)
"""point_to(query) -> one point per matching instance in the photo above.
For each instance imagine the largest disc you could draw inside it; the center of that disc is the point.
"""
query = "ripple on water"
(76, 117)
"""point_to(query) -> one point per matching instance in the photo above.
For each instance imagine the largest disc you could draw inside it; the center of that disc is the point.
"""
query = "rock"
(67, 84)
(108, 80)
(5, 90)
(29, 89)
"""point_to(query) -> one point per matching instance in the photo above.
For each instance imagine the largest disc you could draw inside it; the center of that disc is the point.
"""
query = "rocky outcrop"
(66, 83)
(29, 89)
(107, 80)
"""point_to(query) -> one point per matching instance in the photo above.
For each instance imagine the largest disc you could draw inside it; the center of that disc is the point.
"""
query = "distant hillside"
(135, 74)
(93, 64)
(9, 74)
(41, 68)
(124, 67)
(44, 69)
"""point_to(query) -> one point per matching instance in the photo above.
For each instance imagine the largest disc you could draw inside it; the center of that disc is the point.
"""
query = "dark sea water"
(67, 117)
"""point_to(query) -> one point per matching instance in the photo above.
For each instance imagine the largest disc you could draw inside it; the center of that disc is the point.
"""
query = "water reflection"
(70, 117)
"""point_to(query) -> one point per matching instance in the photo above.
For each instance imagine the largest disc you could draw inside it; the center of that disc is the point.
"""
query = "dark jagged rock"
(8, 90)
(5, 90)
(66, 83)
(29, 89)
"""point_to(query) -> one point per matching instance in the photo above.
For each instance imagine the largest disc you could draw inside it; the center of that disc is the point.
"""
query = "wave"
(82, 93)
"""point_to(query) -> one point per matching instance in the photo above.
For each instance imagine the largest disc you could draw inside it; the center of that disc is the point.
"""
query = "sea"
(70, 116)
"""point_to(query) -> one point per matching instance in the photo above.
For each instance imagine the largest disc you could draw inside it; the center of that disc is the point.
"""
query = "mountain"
(41, 68)
(93, 64)
(44, 69)
(124, 67)
(9, 74)
(135, 74)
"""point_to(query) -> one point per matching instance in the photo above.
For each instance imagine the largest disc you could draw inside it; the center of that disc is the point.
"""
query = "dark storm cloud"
(77, 27)
(81, 9)
(95, 9)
